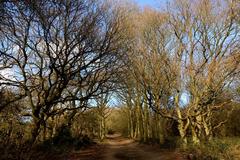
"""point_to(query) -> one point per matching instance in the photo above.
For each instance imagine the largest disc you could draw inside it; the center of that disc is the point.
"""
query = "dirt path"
(118, 148)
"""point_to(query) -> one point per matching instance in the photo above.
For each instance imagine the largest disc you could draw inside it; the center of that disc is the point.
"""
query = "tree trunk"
(35, 131)
(181, 127)
(195, 137)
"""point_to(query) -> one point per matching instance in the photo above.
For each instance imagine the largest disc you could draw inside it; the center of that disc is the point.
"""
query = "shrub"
(63, 136)
(213, 150)
(111, 131)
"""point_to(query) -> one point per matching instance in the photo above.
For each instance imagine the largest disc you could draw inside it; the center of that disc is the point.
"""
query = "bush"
(82, 142)
(65, 139)
(212, 150)
(110, 131)
(63, 136)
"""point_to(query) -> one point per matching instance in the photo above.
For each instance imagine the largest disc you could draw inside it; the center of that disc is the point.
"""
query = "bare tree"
(51, 48)
(191, 49)
(207, 37)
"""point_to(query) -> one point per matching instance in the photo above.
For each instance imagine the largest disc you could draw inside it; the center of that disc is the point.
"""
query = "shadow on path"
(119, 148)
(116, 147)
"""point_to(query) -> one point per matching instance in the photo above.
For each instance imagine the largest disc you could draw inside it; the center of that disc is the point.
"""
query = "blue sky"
(152, 3)
(146, 2)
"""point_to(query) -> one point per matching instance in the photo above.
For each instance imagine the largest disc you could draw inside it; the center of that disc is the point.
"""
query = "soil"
(117, 147)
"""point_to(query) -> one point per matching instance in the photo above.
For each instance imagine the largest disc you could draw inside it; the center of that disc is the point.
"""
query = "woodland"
(76, 73)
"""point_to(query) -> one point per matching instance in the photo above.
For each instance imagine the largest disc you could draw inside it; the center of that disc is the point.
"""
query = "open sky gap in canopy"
(152, 3)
